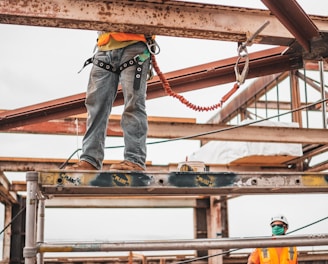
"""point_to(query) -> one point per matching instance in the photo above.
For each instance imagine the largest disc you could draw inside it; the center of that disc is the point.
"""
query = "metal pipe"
(195, 244)
(30, 249)
(323, 95)
(40, 228)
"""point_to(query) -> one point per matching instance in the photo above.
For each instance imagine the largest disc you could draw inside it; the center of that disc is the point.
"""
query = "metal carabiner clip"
(153, 47)
(241, 76)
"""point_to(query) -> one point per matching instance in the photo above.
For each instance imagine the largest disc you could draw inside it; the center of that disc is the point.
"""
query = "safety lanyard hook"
(241, 76)
(242, 53)
(153, 47)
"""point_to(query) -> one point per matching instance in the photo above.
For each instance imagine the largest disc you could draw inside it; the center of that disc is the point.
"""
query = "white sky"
(40, 64)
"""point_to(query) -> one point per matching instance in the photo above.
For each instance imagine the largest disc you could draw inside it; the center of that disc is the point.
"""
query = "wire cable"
(210, 132)
(300, 228)
(232, 250)
(13, 219)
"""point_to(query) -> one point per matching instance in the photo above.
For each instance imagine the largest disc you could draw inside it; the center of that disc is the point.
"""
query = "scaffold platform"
(42, 185)
(62, 182)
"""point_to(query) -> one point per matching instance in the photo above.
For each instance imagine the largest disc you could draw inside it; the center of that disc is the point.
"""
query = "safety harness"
(136, 60)
(153, 49)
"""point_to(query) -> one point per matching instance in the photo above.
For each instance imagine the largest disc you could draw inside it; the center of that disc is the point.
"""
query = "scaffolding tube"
(323, 94)
(31, 206)
(40, 227)
(195, 244)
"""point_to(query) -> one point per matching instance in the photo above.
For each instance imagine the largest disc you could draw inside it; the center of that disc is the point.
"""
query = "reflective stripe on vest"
(291, 253)
(270, 256)
(265, 253)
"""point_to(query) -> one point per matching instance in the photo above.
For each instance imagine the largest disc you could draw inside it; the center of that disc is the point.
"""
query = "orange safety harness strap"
(240, 76)
(182, 99)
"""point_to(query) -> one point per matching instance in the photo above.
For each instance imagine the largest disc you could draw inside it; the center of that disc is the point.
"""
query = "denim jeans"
(101, 93)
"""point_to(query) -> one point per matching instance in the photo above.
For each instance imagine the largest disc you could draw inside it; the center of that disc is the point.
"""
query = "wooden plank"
(261, 159)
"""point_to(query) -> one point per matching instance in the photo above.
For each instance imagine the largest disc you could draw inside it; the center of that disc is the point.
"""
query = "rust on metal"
(167, 18)
(293, 17)
(189, 79)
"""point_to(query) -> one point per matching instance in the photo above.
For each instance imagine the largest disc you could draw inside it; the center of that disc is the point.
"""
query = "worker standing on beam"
(280, 255)
(120, 58)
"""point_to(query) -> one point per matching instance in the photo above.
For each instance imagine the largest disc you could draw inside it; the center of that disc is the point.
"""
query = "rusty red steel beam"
(293, 17)
(206, 75)
(166, 18)
(220, 72)
(194, 131)
(314, 66)
(170, 18)
(76, 125)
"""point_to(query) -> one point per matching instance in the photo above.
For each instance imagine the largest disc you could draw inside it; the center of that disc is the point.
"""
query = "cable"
(300, 228)
(255, 121)
(238, 126)
(79, 149)
(232, 250)
(210, 132)
(12, 220)
(68, 159)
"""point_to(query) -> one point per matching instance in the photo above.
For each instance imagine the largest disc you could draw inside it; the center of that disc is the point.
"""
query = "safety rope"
(240, 76)
(182, 99)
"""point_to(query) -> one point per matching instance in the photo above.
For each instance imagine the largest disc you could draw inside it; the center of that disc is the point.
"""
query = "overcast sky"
(40, 64)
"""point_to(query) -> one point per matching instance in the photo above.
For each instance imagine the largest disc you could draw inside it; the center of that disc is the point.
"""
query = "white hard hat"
(280, 218)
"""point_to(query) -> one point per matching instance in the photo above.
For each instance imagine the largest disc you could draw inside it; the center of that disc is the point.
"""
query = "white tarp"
(224, 152)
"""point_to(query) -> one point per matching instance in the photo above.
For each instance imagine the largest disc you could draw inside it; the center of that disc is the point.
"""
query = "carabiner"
(240, 77)
(152, 47)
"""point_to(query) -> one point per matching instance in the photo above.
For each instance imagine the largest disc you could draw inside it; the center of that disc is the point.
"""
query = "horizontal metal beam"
(232, 258)
(169, 18)
(241, 133)
(194, 244)
(40, 164)
(189, 79)
(121, 202)
(191, 131)
(63, 183)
